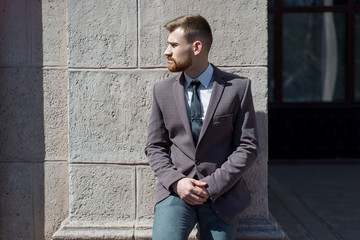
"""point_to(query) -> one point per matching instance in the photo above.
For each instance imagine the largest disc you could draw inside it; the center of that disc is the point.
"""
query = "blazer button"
(197, 162)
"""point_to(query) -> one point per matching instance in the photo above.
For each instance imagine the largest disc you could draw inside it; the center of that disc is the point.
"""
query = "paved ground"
(316, 201)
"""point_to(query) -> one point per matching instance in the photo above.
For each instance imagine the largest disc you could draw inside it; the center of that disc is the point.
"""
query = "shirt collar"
(204, 78)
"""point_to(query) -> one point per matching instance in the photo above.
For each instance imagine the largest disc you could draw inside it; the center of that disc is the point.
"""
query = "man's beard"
(180, 65)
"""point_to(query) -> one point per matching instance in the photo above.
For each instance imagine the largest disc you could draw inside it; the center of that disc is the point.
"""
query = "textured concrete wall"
(33, 118)
(76, 79)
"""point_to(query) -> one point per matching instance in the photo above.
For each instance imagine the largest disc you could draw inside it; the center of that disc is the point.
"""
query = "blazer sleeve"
(245, 149)
(158, 148)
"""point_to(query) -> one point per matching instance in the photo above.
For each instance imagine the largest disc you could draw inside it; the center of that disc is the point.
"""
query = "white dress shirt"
(204, 90)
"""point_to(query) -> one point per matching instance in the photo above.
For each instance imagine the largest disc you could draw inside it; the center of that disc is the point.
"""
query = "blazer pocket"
(223, 118)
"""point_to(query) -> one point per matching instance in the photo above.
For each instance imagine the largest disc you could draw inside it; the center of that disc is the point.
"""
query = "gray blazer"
(227, 144)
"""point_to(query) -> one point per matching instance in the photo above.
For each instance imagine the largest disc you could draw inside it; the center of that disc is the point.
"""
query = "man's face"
(178, 52)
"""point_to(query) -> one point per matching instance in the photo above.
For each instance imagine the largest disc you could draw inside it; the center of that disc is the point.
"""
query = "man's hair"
(194, 26)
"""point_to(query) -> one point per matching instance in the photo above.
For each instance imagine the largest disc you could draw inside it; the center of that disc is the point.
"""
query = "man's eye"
(173, 44)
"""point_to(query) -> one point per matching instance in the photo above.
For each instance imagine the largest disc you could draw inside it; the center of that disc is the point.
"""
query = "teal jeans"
(175, 219)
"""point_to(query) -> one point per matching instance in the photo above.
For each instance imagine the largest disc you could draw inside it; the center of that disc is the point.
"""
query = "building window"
(314, 51)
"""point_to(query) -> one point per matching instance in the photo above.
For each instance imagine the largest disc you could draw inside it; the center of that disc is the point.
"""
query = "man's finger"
(201, 192)
(194, 200)
(199, 183)
(193, 196)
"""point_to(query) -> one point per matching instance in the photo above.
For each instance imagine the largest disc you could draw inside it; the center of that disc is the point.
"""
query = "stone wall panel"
(108, 114)
(21, 114)
(102, 193)
(102, 33)
(15, 46)
(16, 211)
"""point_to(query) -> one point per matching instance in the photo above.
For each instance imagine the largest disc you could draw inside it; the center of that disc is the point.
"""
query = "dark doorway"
(314, 79)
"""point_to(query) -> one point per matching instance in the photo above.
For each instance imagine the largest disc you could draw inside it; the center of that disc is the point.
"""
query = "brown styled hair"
(194, 26)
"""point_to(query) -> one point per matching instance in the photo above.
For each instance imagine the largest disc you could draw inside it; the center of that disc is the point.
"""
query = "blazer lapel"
(179, 96)
(217, 91)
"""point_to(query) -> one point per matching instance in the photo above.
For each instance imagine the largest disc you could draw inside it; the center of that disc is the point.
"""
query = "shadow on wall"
(22, 147)
(262, 124)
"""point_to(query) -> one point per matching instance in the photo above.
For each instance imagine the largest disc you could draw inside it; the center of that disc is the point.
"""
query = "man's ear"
(197, 47)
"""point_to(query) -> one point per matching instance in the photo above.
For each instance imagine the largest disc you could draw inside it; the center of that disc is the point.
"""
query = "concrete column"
(33, 118)
(115, 55)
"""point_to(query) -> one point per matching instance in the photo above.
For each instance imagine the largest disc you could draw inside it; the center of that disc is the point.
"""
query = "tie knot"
(195, 83)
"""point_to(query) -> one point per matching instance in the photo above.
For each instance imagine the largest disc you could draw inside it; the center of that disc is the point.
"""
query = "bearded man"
(202, 137)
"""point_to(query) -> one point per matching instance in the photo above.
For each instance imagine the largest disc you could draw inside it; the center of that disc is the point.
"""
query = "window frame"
(278, 10)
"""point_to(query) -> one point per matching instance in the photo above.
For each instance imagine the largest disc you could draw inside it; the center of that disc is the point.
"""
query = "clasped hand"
(192, 191)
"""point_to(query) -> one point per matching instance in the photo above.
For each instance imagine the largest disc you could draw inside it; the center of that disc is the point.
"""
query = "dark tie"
(196, 121)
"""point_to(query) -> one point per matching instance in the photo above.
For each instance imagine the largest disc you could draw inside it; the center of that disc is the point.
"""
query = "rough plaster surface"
(54, 41)
(21, 114)
(239, 38)
(146, 183)
(102, 33)
(56, 196)
(36, 32)
(102, 193)
(108, 114)
(15, 48)
(34, 200)
(16, 199)
(55, 87)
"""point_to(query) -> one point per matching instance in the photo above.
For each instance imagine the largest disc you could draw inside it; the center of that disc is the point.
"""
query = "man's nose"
(167, 51)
